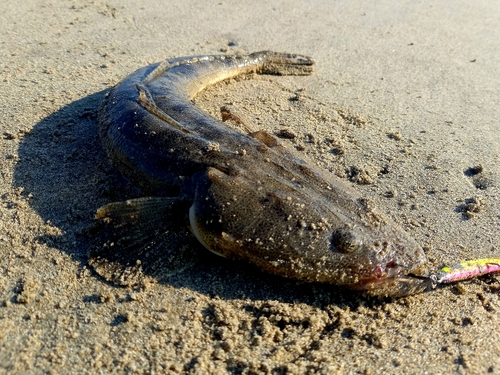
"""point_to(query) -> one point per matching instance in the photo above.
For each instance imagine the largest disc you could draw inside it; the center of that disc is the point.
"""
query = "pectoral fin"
(142, 237)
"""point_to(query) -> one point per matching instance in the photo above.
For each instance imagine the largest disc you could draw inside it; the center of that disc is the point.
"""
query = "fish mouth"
(394, 284)
(391, 278)
(395, 271)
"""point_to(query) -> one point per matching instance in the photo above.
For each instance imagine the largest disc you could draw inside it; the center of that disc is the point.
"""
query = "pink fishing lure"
(467, 270)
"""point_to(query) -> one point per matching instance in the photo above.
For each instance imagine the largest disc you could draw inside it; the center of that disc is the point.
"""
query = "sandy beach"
(404, 105)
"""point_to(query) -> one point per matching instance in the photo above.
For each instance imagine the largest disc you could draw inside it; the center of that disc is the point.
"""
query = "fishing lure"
(467, 269)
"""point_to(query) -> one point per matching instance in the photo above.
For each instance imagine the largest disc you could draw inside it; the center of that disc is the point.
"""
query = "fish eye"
(344, 241)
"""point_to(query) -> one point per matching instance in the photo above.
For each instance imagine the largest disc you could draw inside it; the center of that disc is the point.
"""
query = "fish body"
(245, 196)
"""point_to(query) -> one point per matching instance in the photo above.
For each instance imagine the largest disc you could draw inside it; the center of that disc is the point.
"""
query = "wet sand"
(403, 104)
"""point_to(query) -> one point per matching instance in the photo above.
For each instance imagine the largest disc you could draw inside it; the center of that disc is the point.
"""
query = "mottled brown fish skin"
(252, 199)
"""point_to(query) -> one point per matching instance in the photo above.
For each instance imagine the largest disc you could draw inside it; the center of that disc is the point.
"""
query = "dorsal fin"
(230, 113)
(266, 138)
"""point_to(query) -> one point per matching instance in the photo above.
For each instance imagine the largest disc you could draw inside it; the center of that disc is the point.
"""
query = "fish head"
(314, 234)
